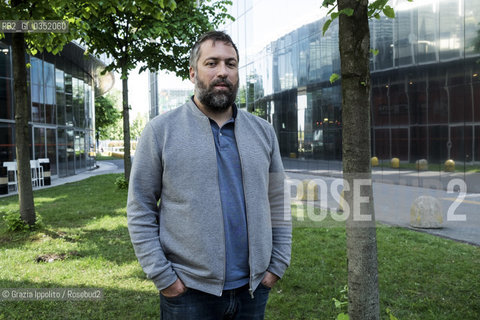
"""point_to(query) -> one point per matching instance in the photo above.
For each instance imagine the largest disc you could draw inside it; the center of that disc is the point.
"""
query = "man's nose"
(222, 70)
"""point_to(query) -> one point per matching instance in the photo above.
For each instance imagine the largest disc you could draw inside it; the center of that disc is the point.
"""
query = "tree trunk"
(22, 134)
(354, 42)
(126, 130)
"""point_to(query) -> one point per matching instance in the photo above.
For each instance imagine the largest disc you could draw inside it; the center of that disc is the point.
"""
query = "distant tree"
(138, 125)
(106, 115)
(31, 43)
(156, 32)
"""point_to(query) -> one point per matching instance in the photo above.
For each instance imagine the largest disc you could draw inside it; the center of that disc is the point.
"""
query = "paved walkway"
(103, 167)
(395, 191)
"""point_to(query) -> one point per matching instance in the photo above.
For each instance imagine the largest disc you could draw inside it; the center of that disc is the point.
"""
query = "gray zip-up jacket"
(174, 209)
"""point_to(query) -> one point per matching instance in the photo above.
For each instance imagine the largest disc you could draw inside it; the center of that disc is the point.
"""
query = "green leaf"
(343, 316)
(334, 77)
(374, 51)
(338, 304)
(327, 3)
(326, 25)
(390, 314)
(389, 12)
(347, 11)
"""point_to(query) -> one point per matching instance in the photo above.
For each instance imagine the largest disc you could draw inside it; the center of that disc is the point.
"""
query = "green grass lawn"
(421, 276)
(100, 157)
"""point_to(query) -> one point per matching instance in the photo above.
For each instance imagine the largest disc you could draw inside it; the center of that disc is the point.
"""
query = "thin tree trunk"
(126, 130)
(354, 40)
(22, 134)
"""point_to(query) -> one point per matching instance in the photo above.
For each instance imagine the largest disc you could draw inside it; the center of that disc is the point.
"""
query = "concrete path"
(461, 214)
(103, 167)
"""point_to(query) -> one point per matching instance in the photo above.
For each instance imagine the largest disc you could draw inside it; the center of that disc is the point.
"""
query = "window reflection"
(425, 81)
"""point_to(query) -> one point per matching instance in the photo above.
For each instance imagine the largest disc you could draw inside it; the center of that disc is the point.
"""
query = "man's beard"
(215, 101)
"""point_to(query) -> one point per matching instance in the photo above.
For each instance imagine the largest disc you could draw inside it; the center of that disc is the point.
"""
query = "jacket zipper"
(221, 211)
(250, 282)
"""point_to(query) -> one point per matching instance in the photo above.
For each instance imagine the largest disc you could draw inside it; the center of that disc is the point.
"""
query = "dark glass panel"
(7, 146)
(476, 101)
(39, 143)
(380, 108)
(437, 144)
(6, 98)
(418, 143)
(400, 143)
(50, 113)
(62, 152)
(70, 152)
(417, 99)
(52, 150)
(398, 104)
(477, 143)
(461, 138)
(382, 143)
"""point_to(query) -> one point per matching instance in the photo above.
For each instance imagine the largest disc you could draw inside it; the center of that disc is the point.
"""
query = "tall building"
(425, 97)
(61, 94)
(166, 92)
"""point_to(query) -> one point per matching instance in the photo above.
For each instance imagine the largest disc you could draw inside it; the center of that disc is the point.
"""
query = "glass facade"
(425, 93)
(166, 92)
(62, 109)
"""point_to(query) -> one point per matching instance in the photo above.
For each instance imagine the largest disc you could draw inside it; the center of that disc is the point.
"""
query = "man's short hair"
(214, 36)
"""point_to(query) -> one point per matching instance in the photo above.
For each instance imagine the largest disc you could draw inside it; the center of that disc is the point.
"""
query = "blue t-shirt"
(233, 204)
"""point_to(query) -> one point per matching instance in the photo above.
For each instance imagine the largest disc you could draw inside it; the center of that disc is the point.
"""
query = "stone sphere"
(421, 164)
(426, 212)
(450, 165)
(395, 163)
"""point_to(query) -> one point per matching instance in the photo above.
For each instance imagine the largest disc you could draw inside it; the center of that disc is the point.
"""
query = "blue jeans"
(234, 304)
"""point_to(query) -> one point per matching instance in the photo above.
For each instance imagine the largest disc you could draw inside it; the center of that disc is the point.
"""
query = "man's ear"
(192, 74)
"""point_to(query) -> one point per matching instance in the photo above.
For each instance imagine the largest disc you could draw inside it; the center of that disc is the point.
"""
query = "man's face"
(216, 76)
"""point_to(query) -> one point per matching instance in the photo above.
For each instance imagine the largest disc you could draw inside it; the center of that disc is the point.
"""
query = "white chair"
(12, 174)
(37, 173)
(46, 170)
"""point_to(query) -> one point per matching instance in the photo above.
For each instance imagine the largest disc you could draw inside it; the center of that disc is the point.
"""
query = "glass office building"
(425, 80)
(166, 92)
(61, 92)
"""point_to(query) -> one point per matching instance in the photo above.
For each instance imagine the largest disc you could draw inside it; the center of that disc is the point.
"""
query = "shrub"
(121, 183)
(15, 223)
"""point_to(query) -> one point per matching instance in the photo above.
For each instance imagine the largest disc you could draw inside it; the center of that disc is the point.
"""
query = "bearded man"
(208, 214)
